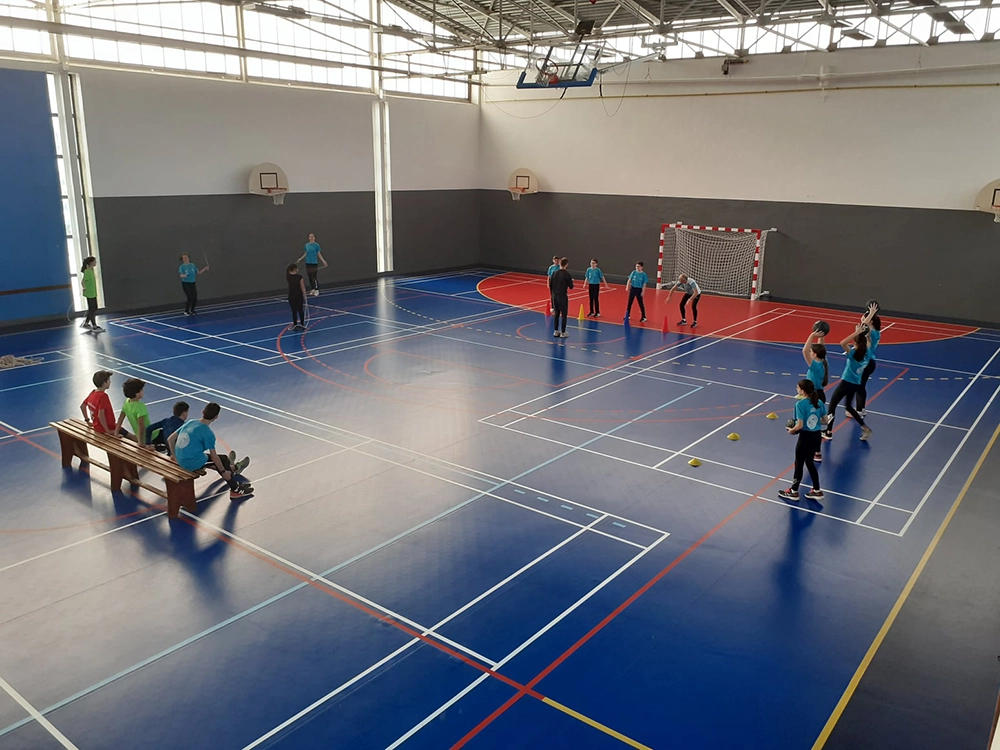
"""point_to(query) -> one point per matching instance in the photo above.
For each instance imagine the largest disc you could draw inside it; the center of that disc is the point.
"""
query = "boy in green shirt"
(135, 410)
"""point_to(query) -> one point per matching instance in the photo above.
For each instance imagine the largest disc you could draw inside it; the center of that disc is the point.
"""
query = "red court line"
(628, 602)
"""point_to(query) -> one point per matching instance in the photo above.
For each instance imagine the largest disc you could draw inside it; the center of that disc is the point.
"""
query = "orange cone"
(665, 328)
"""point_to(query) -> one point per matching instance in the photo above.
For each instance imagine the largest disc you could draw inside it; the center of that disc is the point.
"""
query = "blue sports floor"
(465, 533)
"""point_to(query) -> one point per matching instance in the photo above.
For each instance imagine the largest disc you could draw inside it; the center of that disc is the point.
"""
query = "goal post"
(723, 260)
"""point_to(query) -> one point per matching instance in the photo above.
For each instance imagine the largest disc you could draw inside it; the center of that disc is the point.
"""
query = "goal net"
(723, 260)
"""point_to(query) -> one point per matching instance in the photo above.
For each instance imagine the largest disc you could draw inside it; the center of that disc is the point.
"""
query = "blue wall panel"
(32, 231)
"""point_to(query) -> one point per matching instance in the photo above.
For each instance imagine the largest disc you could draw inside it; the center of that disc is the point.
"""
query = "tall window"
(68, 164)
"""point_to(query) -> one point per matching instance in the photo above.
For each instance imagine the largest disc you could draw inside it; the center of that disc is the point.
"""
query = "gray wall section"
(435, 229)
(249, 242)
(929, 263)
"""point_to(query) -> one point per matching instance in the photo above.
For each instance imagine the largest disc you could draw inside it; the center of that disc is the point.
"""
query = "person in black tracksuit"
(296, 296)
(560, 283)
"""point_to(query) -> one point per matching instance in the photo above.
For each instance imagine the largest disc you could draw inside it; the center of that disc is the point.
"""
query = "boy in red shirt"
(96, 408)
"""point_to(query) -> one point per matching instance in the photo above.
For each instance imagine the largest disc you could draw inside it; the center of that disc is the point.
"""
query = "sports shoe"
(241, 491)
(815, 494)
(788, 494)
(827, 435)
(555, 334)
(97, 329)
(866, 432)
(818, 458)
(683, 322)
(863, 412)
(186, 313)
(597, 315)
(232, 458)
(85, 325)
(695, 324)
(240, 466)
(642, 319)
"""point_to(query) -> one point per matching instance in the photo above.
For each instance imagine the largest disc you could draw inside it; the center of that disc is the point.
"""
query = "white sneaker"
(85, 325)
(866, 432)
(564, 335)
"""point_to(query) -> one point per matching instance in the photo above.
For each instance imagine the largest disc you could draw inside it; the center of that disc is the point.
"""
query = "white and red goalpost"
(723, 260)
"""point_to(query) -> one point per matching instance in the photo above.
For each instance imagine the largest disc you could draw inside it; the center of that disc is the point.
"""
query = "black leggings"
(694, 307)
(595, 302)
(560, 308)
(311, 270)
(91, 311)
(805, 449)
(862, 389)
(224, 460)
(844, 391)
(298, 305)
(191, 292)
(635, 293)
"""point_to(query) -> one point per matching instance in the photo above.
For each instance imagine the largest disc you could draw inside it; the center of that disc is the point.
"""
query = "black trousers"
(91, 311)
(191, 293)
(312, 269)
(298, 305)
(635, 293)
(560, 308)
(863, 389)
(843, 392)
(694, 307)
(805, 449)
(595, 300)
(224, 460)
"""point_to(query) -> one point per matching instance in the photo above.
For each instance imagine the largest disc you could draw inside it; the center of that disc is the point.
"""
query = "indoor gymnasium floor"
(467, 533)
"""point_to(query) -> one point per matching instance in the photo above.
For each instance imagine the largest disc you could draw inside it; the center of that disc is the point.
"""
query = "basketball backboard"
(522, 181)
(269, 179)
(561, 67)
(988, 200)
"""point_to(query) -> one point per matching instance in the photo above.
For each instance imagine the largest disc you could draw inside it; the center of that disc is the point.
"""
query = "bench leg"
(180, 494)
(122, 470)
(70, 447)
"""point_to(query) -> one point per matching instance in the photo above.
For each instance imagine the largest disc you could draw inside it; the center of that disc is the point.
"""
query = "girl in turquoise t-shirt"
(809, 414)
(88, 282)
(856, 347)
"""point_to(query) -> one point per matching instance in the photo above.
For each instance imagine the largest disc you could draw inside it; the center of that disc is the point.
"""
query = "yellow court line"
(596, 724)
(859, 673)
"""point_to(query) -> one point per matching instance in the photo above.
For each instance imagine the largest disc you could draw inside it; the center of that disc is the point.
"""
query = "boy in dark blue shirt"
(158, 432)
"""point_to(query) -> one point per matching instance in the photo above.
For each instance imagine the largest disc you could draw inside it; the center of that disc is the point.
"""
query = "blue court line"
(519, 492)
(566, 507)
(615, 523)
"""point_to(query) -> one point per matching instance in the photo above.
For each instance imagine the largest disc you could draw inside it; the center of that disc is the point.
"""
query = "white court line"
(159, 514)
(689, 446)
(551, 624)
(633, 362)
(59, 736)
(947, 465)
(927, 437)
(696, 480)
(661, 449)
(319, 702)
(222, 352)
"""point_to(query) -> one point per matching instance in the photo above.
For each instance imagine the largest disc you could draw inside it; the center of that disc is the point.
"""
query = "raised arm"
(807, 353)
(847, 343)
(203, 269)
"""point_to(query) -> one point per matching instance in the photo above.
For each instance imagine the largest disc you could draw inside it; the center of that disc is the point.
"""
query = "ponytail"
(819, 351)
(809, 389)
(860, 347)
(86, 263)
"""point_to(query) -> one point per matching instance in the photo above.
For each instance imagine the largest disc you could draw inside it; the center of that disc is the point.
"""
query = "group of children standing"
(560, 282)
(813, 420)
(191, 443)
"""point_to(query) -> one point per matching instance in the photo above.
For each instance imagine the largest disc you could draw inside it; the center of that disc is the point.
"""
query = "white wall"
(764, 133)
(151, 135)
(435, 145)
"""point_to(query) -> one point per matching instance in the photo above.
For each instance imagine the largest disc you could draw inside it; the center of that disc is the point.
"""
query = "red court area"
(716, 315)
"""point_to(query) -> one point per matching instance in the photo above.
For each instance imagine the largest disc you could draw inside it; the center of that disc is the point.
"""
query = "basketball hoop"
(517, 192)
(278, 194)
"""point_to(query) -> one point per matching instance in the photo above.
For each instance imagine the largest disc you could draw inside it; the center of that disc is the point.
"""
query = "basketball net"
(996, 214)
(278, 194)
(517, 192)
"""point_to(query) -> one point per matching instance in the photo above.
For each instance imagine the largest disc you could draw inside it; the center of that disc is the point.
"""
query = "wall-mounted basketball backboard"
(988, 200)
(522, 181)
(269, 179)
(561, 67)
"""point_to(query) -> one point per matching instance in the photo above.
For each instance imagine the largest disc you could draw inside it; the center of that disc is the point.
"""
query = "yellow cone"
(581, 316)
(733, 436)
(694, 462)
(772, 415)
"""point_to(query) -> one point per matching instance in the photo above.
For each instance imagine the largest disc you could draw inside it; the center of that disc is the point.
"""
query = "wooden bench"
(125, 458)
